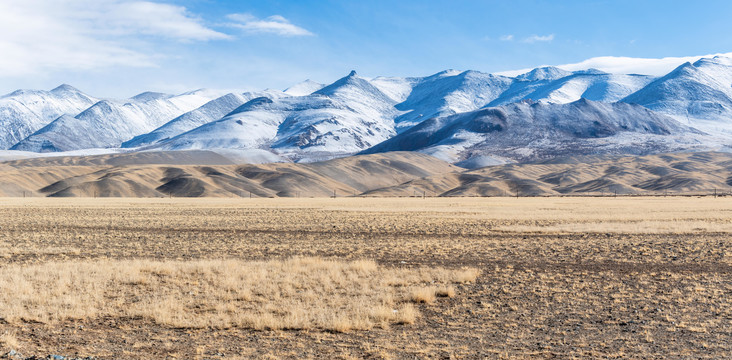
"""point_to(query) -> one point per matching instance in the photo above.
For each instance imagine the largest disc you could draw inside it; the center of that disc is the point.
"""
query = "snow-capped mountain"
(108, 123)
(22, 112)
(343, 118)
(457, 115)
(211, 111)
(529, 131)
(699, 94)
(557, 86)
(445, 93)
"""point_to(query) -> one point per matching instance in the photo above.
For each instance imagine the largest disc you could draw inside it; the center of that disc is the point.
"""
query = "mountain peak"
(351, 80)
(717, 60)
(306, 87)
(65, 88)
(544, 73)
(149, 96)
(591, 71)
(723, 60)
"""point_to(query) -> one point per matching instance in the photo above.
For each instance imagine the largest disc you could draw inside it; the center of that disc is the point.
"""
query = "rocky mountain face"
(530, 131)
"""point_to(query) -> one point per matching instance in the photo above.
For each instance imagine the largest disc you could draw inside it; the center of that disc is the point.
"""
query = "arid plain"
(501, 277)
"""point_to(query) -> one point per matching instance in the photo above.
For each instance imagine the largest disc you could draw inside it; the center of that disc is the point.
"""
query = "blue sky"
(118, 48)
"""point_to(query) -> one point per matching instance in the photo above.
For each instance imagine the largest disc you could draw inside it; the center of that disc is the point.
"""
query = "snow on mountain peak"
(309, 121)
(211, 111)
(591, 71)
(150, 96)
(110, 122)
(23, 112)
(717, 60)
(544, 73)
(306, 87)
(357, 89)
(446, 73)
(65, 88)
(699, 94)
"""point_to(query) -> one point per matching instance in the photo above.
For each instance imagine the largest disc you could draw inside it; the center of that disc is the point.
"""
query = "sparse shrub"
(8, 341)
(406, 314)
(423, 295)
(447, 291)
(466, 275)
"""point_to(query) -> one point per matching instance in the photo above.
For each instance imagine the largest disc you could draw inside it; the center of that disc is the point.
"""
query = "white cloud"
(626, 65)
(506, 38)
(538, 38)
(150, 18)
(38, 36)
(275, 24)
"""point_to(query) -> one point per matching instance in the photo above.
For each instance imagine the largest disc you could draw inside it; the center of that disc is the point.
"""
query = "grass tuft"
(424, 295)
(9, 341)
(297, 293)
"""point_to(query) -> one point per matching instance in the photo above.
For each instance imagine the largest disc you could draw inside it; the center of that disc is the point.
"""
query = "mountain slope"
(446, 93)
(699, 94)
(211, 111)
(23, 112)
(306, 87)
(109, 122)
(340, 119)
(556, 86)
(678, 173)
(202, 173)
(148, 175)
(526, 131)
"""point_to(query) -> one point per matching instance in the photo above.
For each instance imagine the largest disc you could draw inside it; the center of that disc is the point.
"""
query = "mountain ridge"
(311, 121)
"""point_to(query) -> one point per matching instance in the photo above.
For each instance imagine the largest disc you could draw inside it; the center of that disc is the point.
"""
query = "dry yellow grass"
(8, 341)
(647, 215)
(299, 293)
(545, 277)
(448, 291)
(424, 295)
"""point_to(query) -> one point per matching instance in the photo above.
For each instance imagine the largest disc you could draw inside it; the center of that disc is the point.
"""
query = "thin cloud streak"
(275, 24)
(164, 20)
(538, 38)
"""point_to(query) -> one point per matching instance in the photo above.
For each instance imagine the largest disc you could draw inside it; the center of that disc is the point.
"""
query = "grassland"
(299, 278)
